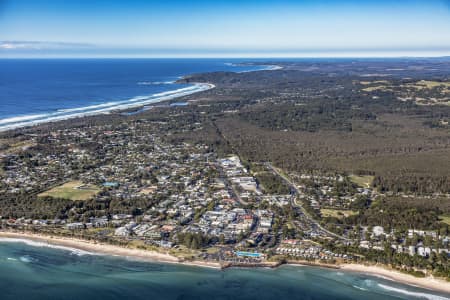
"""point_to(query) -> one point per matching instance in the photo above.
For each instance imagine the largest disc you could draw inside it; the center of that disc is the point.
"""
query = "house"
(378, 230)
(99, 222)
(74, 226)
(122, 231)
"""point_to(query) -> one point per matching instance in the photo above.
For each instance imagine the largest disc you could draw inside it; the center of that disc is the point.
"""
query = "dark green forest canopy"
(318, 117)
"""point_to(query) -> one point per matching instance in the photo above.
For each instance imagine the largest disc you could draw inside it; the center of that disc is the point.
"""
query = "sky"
(220, 28)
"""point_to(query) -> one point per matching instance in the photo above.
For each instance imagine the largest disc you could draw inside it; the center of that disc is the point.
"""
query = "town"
(128, 186)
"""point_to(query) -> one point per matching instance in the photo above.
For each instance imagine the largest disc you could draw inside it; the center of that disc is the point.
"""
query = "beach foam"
(265, 68)
(261, 67)
(360, 288)
(11, 258)
(32, 243)
(27, 259)
(103, 108)
(107, 104)
(413, 294)
(21, 118)
(154, 82)
(181, 90)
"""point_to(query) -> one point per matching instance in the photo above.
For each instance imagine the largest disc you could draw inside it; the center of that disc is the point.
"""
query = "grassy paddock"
(362, 181)
(374, 82)
(376, 88)
(72, 190)
(337, 213)
(184, 252)
(212, 250)
(445, 219)
(431, 84)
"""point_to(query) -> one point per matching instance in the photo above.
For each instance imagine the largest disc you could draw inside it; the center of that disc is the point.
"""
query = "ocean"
(33, 91)
(35, 271)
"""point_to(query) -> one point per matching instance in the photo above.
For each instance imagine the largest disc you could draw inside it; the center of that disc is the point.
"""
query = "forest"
(307, 117)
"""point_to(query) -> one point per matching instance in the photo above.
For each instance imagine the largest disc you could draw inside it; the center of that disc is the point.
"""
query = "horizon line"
(226, 57)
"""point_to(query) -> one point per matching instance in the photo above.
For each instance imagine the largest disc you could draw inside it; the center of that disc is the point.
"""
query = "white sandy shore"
(102, 248)
(104, 108)
(427, 282)
(266, 68)
(93, 247)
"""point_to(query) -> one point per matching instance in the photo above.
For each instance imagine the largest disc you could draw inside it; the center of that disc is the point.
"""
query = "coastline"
(138, 102)
(429, 282)
(98, 248)
(105, 108)
(266, 68)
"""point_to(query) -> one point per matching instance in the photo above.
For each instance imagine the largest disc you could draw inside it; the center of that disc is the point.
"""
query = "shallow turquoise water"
(31, 272)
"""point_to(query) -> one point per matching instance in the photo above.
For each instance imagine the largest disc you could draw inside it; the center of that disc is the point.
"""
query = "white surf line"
(104, 108)
(33, 243)
(21, 118)
(154, 82)
(410, 293)
(263, 67)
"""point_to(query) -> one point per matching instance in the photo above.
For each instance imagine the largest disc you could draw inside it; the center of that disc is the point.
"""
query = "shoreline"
(138, 102)
(98, 248)
(266, 68)
(28, 121)
(428, 282)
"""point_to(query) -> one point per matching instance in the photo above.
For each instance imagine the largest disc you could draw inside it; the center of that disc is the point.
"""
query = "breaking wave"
(27, 258)
(360, 288)
(154, 82)
(419, 295)
(21, 118)
(103, 108)
(260, 67)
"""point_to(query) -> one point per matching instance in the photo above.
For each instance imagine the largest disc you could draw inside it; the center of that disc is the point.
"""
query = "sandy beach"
(427, 282)
(105, 249)
(153, 256)
(104, 108)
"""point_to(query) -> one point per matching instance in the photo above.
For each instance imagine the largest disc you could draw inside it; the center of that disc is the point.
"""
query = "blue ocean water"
(31, 272)
(37, 90)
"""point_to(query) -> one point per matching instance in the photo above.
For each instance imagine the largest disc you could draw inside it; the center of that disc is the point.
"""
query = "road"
(230, 187)
(295, 204)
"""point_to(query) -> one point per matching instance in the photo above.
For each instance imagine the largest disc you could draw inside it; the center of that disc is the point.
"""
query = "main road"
(295, 204)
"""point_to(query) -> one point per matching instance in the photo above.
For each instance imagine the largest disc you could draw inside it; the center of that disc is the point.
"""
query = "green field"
(376, 88)
(337, 213)
(212, 250)
(362, 181)
(430, 84)
(445, 219)
(184, 252)
(374, 82)
(72, 190)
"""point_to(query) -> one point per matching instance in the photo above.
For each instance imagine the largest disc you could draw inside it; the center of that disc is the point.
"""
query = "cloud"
(40, 45)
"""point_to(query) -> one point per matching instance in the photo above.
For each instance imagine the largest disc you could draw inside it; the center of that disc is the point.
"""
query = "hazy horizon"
(224, 29)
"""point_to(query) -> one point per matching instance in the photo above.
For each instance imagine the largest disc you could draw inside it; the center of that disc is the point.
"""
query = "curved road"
(295, 204)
